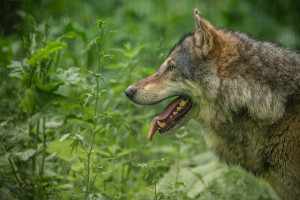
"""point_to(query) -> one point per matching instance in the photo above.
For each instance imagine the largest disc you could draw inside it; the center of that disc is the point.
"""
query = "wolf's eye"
(171, 68)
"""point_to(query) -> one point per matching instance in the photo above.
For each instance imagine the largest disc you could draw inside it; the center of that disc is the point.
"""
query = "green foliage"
(28, 103)
(46, 52)
(66, 129)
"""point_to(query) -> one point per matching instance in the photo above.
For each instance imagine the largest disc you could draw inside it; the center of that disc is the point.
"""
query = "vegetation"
(67, 131)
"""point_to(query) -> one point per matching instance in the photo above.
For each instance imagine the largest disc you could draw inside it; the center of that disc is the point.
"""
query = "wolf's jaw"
(173, 114)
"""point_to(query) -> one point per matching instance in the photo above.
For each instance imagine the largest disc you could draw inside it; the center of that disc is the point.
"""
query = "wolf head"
(214, 72)
(188, 72)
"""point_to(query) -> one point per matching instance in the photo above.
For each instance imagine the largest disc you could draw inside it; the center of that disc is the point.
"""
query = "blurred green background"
(67, 131)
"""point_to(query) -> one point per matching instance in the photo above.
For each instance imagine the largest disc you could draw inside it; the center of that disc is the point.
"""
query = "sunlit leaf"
(70, 35)
(46, 52)
(125, 152)
(104, 153)
(62, 149)
(65, 136)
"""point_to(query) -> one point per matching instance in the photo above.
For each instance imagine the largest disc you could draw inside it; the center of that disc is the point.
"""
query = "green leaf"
(70, 35)
(179, 184)
(115, 66)
(128, 52)
(72, 75)
(62, 149)
(28, 103)
(46, 52)
(44, 98)
(79, 137)
(198, 176)
(127, 46)
(147, 175)
(16, 70)
(124, 152)
(65, 136)
(80, 121)
(75, 143)
(104, 153)
(50, 87)
(25, 155)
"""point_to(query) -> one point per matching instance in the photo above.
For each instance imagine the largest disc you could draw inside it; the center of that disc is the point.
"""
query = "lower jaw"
(190, 114)
(176, 120)
(170, 127)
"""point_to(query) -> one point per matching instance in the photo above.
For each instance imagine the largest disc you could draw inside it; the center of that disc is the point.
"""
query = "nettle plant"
(50, 110)
(91, 121)
(27, 160)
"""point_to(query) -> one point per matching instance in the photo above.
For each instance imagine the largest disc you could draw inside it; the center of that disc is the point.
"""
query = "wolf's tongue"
(169, 109)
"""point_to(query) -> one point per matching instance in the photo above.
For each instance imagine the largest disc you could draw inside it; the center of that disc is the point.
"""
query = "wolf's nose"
(130, 92)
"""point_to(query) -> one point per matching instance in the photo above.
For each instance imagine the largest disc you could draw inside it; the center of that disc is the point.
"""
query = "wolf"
(244, 92)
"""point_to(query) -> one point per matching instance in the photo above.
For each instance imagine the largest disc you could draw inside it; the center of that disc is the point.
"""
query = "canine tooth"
(178, 108)
(161, 124)
(171, 116)
(182, 102)
(174, 113)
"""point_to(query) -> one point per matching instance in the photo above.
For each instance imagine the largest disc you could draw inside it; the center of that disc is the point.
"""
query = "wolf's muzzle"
(130, 92)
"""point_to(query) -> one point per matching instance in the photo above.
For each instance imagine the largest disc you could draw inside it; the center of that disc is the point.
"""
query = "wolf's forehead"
(181, 50)
(182, 43)
(181, 54)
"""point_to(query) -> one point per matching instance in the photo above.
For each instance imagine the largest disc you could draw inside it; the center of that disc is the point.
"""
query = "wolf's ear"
(204, 32)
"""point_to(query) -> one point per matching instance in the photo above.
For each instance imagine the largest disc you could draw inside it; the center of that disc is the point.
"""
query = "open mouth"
(172, 114)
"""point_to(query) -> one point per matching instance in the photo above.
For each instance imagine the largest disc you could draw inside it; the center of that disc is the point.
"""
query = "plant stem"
(88, 185)
(29, 146)
(89, 166)
(97, 76)
(11, 162)
(44, 146)
(155, 197)
(35, 147)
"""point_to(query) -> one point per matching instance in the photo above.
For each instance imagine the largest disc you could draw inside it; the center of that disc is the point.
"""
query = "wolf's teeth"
(174, 113)
(161, 124)
(171, 116)
(182, 103)
(178, 108)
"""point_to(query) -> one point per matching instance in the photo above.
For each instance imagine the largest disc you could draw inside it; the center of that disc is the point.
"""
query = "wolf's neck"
(233, 136)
